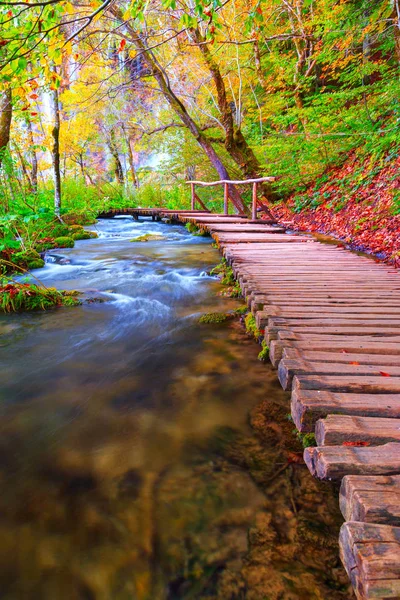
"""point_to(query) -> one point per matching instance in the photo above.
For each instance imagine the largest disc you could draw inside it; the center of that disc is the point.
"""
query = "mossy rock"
(215, 318)
(78, 218)
(36, 264)
(64, 242)
(43, 246)
(27, 259)
(148, 237)
(59, 230)
(75, 228)
(81, 235)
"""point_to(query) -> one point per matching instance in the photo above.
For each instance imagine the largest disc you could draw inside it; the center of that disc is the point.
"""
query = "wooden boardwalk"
(332, 323)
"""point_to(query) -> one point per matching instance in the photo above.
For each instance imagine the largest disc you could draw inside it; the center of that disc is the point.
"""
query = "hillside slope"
(357, 203)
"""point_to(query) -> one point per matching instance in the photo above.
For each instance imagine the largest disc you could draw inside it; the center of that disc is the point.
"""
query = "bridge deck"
(332, 322)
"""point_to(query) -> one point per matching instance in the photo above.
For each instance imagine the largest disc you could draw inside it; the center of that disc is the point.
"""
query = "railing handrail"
(232, 181)
(226, 183)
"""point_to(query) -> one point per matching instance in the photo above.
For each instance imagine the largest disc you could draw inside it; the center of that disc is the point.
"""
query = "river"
(146, 456)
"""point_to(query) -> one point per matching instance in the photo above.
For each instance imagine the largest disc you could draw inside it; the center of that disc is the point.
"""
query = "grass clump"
(306, 439)
(64, 242)
(251, 326)
(241, 310)
(24, 297)
(215, 318)
(263, 355)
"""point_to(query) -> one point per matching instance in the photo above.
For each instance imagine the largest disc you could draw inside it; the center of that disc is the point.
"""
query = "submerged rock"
(148, 237)
(216, 318)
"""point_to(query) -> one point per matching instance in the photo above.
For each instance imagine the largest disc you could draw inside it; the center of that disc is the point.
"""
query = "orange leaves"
(122, 45)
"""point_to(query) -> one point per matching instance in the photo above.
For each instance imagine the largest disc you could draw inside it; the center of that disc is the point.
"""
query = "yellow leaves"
(69, 8)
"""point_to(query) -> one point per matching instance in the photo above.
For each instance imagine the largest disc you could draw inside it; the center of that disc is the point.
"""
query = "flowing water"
(145, 456)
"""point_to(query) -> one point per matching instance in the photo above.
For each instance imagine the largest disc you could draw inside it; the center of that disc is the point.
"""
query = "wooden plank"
(344, 356)
(370, 554)
(288, 368)
(339, 429)
(307, 406)
(334, 462)
(369, 345)
(369, 384)
(371, 499)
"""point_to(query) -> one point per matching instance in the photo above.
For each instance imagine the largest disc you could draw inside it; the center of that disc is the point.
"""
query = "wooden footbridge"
(332, 323)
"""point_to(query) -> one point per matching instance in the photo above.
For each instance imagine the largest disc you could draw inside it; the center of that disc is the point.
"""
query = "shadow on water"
(145, 456)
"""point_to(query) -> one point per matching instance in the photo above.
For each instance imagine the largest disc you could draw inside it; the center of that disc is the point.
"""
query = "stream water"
(145, 456)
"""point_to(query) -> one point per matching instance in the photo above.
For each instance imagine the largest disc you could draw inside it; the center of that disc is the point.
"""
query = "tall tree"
(5, 120)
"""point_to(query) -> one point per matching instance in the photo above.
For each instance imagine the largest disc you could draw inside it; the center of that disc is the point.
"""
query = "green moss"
(43, 246)
(191, 227)
(215, 318)
(307, 439)
(27, 259)
(64, 242)
(81, 235)
(241, 310)
(148, 237)
(59, 230)
(251, 326)
(75, 228)
(264, 354)
(78, 218)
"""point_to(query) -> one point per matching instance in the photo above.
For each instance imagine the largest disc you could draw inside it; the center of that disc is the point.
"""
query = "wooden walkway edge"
(332, 323)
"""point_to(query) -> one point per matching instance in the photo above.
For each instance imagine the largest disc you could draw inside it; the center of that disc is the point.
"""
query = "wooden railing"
(226, 183)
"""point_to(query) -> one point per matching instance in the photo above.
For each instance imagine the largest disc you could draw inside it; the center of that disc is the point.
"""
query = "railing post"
(254, 204)
(192, 205)
(226, 198)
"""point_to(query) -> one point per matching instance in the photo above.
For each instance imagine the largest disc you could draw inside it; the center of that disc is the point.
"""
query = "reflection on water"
(144, 456)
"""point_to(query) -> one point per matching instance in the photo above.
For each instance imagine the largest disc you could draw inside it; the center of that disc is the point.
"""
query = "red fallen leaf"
(384, 374)
(122, 45)
(258, 10)
(34, 96)
(3, 42)
(354, 362)
(33, 114)
(356, 443)
(344, 351)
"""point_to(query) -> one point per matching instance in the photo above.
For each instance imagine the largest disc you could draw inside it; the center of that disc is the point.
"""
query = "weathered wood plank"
(369, 384)
(338, 429)
(288, 368)
(334, 462)
(307, 406)
(370, 554)
(371, 499)
(344, 345)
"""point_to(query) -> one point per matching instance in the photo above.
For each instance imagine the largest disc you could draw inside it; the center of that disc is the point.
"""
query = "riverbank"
(358, 203)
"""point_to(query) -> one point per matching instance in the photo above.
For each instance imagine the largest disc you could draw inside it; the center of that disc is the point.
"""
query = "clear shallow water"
(143, 455)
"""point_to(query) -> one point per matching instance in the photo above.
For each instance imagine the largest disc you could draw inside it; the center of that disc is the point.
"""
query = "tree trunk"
(34, 161)
(396, 27)
(178, 107)
(55, 148)
(130, 158)
(5, 120)
(235, 142)
(112, 146)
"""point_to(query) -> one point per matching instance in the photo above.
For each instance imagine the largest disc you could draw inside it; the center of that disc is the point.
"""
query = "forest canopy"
(118, 103)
